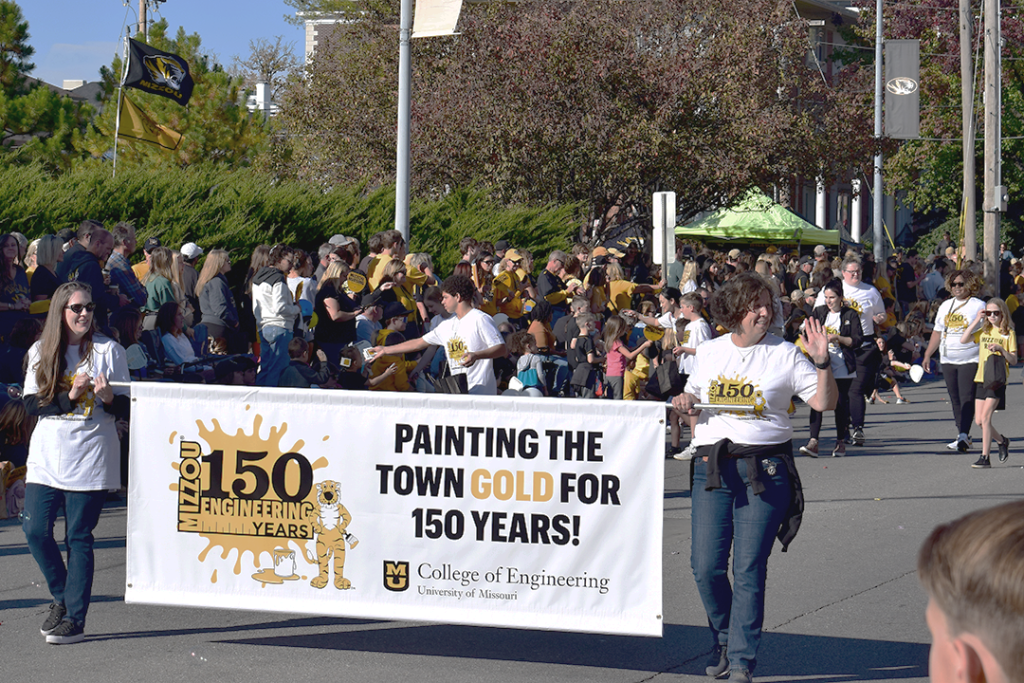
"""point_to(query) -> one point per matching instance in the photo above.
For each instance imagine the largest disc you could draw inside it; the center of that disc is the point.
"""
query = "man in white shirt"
(469, 336)
(866, 300)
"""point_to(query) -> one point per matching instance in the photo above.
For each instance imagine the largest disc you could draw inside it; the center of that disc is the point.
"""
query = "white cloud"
(82, 61)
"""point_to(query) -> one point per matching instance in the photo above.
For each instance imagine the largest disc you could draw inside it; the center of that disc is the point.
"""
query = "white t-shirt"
(474, 332)
(79, 451)
(766, 375)
(696, 333)
(862, 298)
(833, 322)
(178, 349)
(951, 320)
(308, 288)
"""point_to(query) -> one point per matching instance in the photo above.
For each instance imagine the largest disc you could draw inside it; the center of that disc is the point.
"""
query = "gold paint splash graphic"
(170, 439)
(242, 535)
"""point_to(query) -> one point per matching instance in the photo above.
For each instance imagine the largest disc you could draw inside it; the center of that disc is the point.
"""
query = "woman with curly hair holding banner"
(744, 483)
(73, 456)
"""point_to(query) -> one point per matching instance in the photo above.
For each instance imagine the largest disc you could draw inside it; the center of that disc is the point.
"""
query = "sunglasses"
(78, 308)
(993, 313)
(958, 284)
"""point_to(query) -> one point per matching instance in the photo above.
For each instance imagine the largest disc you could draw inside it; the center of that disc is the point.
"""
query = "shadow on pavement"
(682, 650)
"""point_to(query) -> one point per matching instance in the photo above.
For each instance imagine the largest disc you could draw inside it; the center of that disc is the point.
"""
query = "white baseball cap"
(191, 250)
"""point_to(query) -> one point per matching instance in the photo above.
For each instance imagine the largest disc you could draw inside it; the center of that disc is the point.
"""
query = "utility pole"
(879, 197)
(970, 239)
(993, 165)
(142, 21)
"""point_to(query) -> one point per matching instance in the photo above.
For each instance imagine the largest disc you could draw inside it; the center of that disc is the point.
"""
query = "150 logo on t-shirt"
(737, 392)
(456, 349)
(956, 321)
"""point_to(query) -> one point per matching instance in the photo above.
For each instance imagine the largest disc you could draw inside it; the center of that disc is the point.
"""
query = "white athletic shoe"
(686, 454)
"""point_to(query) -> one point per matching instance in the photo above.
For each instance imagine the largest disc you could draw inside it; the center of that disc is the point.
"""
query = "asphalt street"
(843, 604)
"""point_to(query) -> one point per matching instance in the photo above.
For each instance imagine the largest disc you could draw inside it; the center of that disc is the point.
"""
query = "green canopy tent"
(757, 220)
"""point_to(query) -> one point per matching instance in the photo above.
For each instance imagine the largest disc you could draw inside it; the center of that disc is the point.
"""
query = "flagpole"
(120, 89)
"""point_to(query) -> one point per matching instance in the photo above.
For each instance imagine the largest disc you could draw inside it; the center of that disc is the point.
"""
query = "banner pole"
(120, 94)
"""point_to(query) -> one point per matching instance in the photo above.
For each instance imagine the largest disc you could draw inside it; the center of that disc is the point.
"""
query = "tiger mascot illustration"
(329, 519)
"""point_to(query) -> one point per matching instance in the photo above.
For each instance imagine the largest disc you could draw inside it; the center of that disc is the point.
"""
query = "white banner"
(435, 18)
(516, 512)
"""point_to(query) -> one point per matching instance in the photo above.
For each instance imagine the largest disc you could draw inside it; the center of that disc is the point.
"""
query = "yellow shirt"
(992, 336)
(1012, 303)
(375, 271)
(620, 294)
(141, 269)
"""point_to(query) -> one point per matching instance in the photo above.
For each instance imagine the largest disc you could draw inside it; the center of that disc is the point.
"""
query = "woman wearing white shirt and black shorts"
(745, 488)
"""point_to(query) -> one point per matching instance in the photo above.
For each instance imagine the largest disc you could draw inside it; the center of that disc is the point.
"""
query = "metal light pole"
(970, 240)
(879, 198)
(404, 84)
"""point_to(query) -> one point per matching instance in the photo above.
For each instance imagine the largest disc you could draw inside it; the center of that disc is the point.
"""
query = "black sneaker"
(858, 436)
(962, 446)
(1004, 449)
(982, 463)
(718, 662)
(57, 613)
(66, 633)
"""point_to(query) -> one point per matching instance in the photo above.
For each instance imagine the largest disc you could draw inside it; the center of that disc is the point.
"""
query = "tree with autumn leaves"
(930, 170)
(597, 102)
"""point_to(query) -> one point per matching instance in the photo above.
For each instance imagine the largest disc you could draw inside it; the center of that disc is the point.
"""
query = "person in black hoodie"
(86, 266)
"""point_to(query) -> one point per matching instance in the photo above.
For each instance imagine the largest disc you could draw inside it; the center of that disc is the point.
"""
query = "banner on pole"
(135, 124)
(435, 18)
(530, 513)
(158, 72)
(902, 89)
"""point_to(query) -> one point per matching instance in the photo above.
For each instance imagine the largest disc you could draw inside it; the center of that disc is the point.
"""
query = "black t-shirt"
(905, 275)
(44, 283)
(329, 331)
(582, 368)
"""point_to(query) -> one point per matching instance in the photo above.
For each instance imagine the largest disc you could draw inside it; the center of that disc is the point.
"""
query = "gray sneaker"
(718, 662)
(57, 613)
(741, 676)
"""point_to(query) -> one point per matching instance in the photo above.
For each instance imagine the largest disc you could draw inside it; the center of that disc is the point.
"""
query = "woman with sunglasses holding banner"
(959, 361)
(74, 456)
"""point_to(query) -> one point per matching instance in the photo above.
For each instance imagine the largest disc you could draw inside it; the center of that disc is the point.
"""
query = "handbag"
(994, 378)
(666, 381)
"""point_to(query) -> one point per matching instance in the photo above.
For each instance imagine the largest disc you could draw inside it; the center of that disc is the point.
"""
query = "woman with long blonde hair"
(335, 311)
(74, 456)
(220, 315)
(992, 330)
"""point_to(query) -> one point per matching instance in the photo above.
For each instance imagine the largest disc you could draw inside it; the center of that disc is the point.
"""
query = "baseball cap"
(612, 251)
(338, 240)
(734, 253)
(599, 251)
(191, 250)
(501, 245)
(806, 259)
(513, 255)
(819, 250)
(150, 244)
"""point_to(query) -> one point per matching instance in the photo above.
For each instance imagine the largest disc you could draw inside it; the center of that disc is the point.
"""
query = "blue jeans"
(273, 355)
(69, 585)
(732, 516)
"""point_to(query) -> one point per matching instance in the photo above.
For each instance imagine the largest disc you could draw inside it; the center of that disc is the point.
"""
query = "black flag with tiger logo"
(158, 72)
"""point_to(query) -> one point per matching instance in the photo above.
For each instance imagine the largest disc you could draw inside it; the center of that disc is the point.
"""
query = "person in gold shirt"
(392, 247)
(992, 330)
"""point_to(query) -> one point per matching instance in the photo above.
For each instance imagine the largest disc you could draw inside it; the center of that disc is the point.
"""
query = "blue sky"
(73, 38)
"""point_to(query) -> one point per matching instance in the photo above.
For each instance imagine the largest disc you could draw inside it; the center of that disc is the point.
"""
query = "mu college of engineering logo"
(396, 575)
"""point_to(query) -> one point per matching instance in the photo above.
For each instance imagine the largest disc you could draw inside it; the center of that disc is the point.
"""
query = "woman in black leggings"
(959, 361)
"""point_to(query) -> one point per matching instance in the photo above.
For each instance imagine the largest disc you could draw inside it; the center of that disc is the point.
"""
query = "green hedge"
(239, 209)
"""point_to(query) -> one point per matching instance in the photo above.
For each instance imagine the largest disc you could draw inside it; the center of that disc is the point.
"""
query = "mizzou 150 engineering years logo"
(396, 575)
(736, 391)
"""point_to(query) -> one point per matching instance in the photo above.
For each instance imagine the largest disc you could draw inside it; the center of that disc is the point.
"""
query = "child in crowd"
(693, 332)
(394, 319)
(529, 366)
(890, 374)
(305, 370)
(619, 355)
(583, 357)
